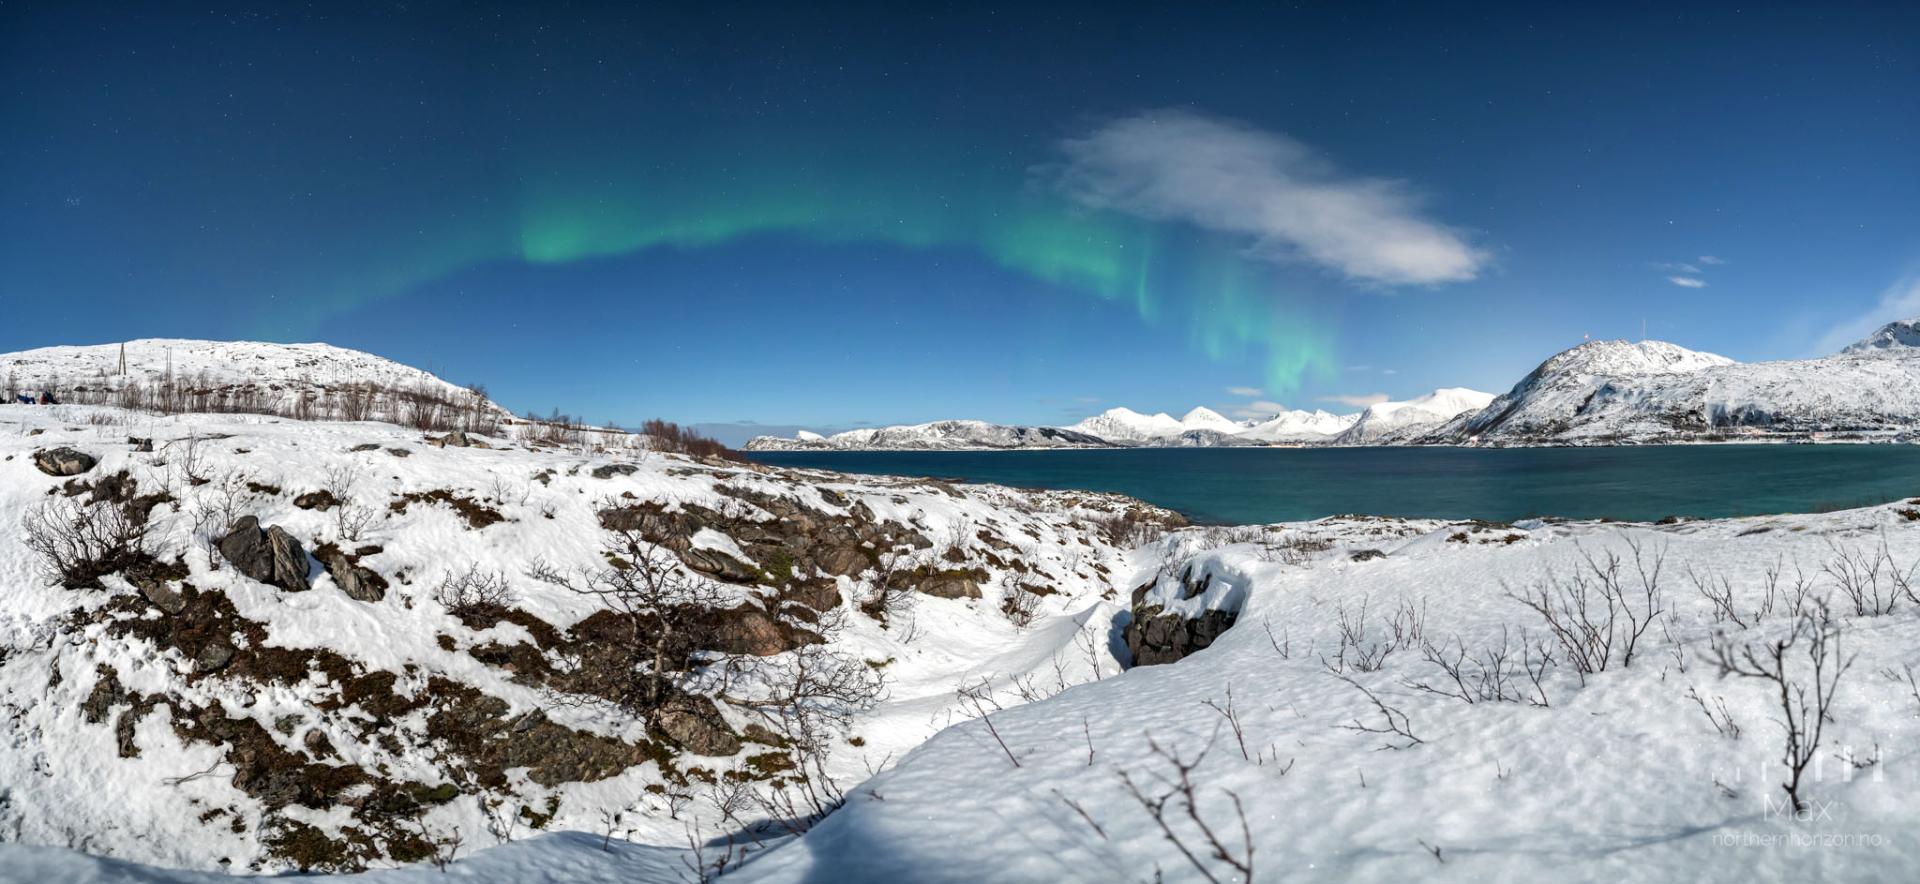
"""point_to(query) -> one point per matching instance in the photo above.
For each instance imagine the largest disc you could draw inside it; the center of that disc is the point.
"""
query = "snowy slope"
(1617, 775)
(277, 370)
(1615, 391)
(1389, 422)
(199, 727)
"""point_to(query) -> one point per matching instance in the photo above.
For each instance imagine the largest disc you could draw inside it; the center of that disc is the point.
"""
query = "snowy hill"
(235, 376)
(1389, 422)
(1619, 392)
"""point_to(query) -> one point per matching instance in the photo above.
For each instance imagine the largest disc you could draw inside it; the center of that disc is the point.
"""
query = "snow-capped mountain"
(1299, 427)
(1114, 428)
(1620, 392)
(1388, 422)
(936, 436)
(1124, 425)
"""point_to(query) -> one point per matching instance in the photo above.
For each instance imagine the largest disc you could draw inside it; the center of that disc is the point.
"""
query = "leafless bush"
(1176, 797)
(1717, 713)
(665, 613)
(669, 436)
(1495, 673)
(1394, 723)
(1869, 578)
(1598, 614)
(975, 698)
(1020, 606)
(1365, 649)
(474, 591)
(1718, 590)
(1129, 529)
(80, 543)
(1804, 667)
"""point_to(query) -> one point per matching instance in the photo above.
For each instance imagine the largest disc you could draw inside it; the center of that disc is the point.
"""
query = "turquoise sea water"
(1254, 485)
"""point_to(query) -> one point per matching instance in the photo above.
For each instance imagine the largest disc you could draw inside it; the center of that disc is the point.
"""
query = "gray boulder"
(63, 461)
(272, 556)
(359, 583)
(697, 726)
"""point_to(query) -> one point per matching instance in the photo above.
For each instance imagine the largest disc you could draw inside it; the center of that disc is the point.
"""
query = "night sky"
(830, 216)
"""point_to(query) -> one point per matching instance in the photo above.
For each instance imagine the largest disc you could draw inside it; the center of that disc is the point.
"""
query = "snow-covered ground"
(1617, 774)
(106, 716)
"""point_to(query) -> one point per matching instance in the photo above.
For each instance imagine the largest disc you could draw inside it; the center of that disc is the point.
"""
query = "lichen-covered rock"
(63, 461)
(696, 725)
(360, 583)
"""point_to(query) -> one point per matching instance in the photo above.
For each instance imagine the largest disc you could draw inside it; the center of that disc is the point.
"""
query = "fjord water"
(1257, 485)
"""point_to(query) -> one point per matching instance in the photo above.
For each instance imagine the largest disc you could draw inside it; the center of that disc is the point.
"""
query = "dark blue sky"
(830, 216)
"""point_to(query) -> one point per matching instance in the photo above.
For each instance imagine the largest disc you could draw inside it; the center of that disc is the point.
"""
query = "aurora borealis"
(832, 216)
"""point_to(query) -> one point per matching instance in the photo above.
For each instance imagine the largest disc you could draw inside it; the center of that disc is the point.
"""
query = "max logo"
(1815, 811)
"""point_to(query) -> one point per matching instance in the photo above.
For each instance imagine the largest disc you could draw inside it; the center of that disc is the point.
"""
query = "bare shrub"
(80, 543)
(1501, 672)
(1129, 529)
(1598, 614)
(474, 591)
(669, 436)
(1366, 649)
(1394, 723)
(1804, 667)
(1869, 578)
(1177, 797)
(664, 611)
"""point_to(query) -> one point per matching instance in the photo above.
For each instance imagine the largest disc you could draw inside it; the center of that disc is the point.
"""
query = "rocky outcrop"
(63, 461)
(272, 556)
(696, 725)
(1156, 635)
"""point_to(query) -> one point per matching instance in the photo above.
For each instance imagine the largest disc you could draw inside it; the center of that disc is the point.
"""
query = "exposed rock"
(1154, 637)
(749, 630)
(316, 500)
(140, 444)
(154, 588)
(715, 563)
(63, 461)
(272, 556)
(695, 724)
(845, 560)
(949, 585)
(213, 657)
(360, 583)
(608, 471)
(107, 693)
(455, 439)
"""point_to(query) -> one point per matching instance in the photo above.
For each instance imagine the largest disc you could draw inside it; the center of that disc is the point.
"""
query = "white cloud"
(1672, 267)
(1900, 301)
(1710, 260)
(1357, 400)
(1248, 392)
(1293, 204)
(1687, 282)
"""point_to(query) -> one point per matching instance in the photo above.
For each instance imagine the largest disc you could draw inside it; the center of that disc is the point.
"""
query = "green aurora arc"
(1230, 306)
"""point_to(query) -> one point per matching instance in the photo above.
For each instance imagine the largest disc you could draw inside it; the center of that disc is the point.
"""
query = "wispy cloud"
(1710, 260)
(1248, 392)
(1291, 202)
(1899, 301)
(1687, 282)
(1357, 400)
